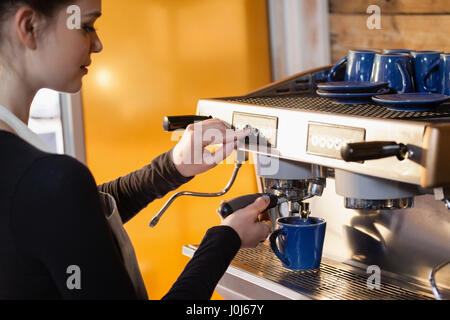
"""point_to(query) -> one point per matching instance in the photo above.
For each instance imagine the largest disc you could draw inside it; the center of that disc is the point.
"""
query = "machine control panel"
(265, 128)
(327, 140)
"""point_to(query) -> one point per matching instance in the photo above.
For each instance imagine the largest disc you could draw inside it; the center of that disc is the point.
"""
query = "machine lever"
(227, 208)
(172, 123)
(361, 151)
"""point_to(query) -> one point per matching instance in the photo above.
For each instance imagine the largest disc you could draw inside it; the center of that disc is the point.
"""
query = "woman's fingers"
(245, 222)
(259, 206)
(215, 131)
(190, 155)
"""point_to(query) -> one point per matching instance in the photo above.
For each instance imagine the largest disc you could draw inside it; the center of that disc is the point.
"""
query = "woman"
(61, 235)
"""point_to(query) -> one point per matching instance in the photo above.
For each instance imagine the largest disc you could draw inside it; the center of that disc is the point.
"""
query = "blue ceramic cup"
(394, 68)
(426, 67)
(407, 51)
(390, 51)
(359, 65)
(300, 243)
(444, 74)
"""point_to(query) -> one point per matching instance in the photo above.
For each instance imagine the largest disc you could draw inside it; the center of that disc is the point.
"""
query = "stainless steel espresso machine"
(380, 178)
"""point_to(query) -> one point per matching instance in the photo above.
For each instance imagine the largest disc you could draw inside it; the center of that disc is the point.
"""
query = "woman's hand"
(246, 223)
(190, 156)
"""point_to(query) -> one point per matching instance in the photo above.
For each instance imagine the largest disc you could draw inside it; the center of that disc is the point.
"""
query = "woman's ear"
(26, 21)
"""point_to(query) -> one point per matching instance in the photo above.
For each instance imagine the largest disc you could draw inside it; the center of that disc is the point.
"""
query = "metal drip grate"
(329, 282)
(309, 102)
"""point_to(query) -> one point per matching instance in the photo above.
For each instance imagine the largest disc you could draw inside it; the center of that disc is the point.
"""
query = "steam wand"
(237, 166)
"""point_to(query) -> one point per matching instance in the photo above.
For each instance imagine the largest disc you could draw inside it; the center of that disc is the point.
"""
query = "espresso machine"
(380, 178)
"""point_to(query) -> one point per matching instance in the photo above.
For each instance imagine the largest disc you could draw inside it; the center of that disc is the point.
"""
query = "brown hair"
(44, 7)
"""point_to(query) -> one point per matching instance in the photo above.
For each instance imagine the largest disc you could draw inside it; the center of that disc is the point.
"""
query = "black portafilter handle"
(173, 123)
(362, 151)
(228, 207)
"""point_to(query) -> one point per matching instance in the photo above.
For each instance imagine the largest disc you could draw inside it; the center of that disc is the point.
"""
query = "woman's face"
(64, 50)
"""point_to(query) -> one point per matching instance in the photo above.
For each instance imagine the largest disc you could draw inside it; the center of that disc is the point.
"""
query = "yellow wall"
(159, 58)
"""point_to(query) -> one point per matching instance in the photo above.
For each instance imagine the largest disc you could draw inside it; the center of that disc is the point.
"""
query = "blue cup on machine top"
(444, 74)
(426, 70)
(298, 243)
(405, 51)
(394, 68)
(359, 66)
(391, 51)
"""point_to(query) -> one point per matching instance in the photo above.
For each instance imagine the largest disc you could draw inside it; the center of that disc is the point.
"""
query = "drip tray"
(258, 274)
